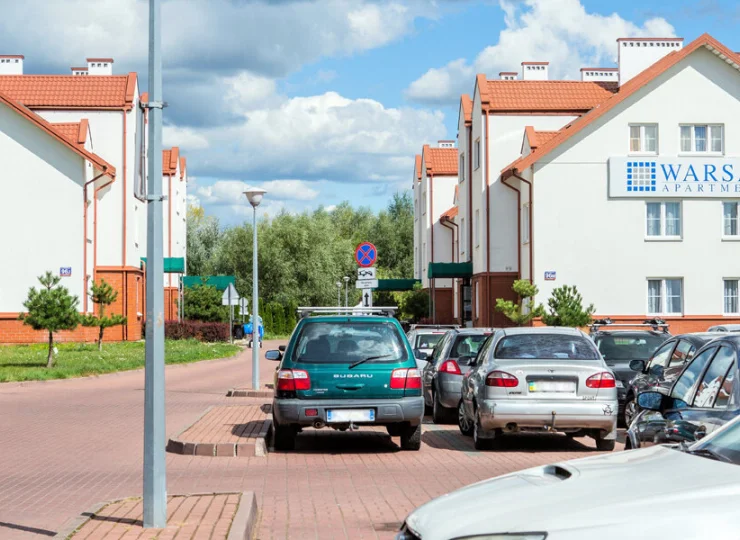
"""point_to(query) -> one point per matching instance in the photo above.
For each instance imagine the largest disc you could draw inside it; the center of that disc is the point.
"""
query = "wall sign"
(663, 177)
(65, 271)
(550, 276)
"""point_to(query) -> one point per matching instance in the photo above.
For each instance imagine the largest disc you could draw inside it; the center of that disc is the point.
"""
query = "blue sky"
(325, 101)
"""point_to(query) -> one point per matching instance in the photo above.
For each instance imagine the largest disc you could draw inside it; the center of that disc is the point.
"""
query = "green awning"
(174, 265)
(220, 282)
(397, 284)
(450, 270)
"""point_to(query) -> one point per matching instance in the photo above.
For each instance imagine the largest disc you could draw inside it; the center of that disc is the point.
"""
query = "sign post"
(230, 298)
(366, 255)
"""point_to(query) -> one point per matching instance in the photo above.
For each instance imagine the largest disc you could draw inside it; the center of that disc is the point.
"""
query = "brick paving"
(197, 517)
(66, 445)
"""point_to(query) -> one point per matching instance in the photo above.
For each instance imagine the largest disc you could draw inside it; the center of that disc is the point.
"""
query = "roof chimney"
(11, 64)
(508, 75)
(445, 144)
(599, 74)
(100, 66)
(535, 71)
(80, 71)
(638, 54)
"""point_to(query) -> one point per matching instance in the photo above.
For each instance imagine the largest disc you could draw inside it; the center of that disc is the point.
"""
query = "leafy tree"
(266, 314)
(566, 308)
(102, 294)
(413, 305)
(521, 314)
(203, 303)
(278, 317)
(203, 235)
(290, 316)
(50, 308)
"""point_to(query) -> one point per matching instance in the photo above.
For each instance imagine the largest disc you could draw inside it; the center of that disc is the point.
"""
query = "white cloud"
(561, 32)
(184, 137)
(227, 192)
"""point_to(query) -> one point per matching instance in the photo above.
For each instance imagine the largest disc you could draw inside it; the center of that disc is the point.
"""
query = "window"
(644, 138)
(731, 297)
(683, 353)
(665, 296)
(477, 228)
(713, 378)
(725, 396)
(685, 382)
(661, 356)
(461, 168)
(702, 138)
(546, 347)
(526, 225)
(462, 235)
(663, 219)
(476, 154)
(730, 219)
(424, 211)
(346, 342)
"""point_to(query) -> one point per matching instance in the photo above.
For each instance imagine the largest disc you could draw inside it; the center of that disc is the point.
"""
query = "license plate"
(552, 386)
(350, 415)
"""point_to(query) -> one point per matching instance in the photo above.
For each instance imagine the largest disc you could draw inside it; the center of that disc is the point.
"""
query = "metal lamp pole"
(346, 290)
(155, 476)
(254, 196)
(339, 293)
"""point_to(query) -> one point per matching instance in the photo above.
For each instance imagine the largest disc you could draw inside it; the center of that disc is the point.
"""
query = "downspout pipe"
(531, 223)
(454, 228)
(488, 321)
(504, 178)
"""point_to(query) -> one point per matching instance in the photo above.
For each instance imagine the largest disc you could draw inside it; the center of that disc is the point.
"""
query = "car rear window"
(348, 342)
(428, 341)
(617, 347)
(545, 347)
(467, 345)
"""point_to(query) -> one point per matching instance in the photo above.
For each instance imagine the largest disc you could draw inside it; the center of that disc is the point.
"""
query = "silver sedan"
(539, 379)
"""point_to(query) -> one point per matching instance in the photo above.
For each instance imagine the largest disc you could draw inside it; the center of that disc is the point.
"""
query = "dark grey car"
(443, 373)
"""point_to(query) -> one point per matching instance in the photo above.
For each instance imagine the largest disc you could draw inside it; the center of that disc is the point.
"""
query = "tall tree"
(566, 308)
(103, 295)
(50, 308)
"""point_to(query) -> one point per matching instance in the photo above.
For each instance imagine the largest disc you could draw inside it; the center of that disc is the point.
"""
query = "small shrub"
(209, 332)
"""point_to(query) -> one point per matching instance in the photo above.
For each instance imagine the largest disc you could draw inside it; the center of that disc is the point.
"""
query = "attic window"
(105, 65)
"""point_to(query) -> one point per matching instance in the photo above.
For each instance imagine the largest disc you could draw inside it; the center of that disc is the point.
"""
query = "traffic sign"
(367, 298)
(366, 273)
(230, 296)
(366, 284)
(366, 254)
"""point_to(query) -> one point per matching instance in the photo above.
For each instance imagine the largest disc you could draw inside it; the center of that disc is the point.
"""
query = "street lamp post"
(339, 294)
(254, 196)
(346, 290)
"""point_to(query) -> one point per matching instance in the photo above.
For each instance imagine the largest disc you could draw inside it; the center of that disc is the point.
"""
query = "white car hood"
(653, 493)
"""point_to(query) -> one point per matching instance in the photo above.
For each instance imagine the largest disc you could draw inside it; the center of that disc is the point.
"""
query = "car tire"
(478, 443)
(283, 437)
(463, 422)
(250, 344)
(603, 445)
(411, 437)
(440, 413)
(630, 411)
(394, 430)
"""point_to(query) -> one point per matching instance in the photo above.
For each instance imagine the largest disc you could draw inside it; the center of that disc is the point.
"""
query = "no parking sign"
(366, 254)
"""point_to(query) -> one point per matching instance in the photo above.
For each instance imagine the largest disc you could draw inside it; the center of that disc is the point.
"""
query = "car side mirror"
(421, 355)
(650, 401)
(638, 365)
(274, 355)
(281, 348)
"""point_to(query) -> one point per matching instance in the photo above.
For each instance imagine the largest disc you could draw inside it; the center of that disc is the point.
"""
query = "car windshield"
(467, 345)
(428, 341)
(545, 347)
(348, 342)
(725, 444)
(628, 347)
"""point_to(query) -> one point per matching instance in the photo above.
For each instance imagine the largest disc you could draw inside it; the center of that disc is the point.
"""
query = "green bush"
(566, 308)
(203, 303)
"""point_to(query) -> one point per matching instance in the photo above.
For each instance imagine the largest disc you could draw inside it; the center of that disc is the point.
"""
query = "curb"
(72, 525)
(239, 392)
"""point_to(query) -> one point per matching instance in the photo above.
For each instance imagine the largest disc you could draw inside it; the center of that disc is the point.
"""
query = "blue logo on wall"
(641, 176)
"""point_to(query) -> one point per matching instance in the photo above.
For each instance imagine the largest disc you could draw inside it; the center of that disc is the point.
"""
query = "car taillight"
(501, 379)
(450, 366)
(601, 380)
(290, 380)
(409, 379)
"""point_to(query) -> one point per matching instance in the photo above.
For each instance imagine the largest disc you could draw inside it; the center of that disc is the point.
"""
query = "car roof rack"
(437, 326)
(659, 325)
(389, 311)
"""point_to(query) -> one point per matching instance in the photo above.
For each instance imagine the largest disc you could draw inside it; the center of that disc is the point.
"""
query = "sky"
(324, 101)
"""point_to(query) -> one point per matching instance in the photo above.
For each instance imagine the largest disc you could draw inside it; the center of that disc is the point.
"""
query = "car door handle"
(350, 386)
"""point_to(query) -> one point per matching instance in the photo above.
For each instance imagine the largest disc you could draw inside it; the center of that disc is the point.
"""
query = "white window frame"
(476, 154)
(662, 236)
(663, 298)
(736, 236)
(461, 167)
(724, 298)
(462, 236)
(476, 229)
(641, 151)
(694, 151)
(526, 224)
(424, 202)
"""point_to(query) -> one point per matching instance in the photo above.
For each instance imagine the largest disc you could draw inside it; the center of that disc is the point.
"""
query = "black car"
(704, 397)
(659, 372)
(620, 344)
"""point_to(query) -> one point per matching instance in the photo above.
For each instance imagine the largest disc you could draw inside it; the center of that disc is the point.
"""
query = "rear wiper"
(368, 359)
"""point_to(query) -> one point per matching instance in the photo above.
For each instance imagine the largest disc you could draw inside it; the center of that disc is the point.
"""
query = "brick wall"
(494, 285)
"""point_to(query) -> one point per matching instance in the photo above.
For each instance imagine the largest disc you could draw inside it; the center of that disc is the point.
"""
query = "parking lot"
(67, 445)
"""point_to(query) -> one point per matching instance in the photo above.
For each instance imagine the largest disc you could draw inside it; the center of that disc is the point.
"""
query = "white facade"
(11, 64)
(174, 187)
(637, 54)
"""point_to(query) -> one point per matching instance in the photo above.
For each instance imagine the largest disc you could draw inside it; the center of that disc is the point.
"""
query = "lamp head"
(254, 195)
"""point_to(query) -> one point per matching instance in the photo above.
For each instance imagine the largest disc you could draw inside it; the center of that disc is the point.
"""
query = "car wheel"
(603, 445)
(394, 430)
(250, 344)
(411, 437)
(463, 422)
(630, 411)
(478, 442)
(284, 437)
(440, 414)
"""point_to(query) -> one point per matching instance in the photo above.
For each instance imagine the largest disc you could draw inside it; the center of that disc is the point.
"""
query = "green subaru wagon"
(344, 372)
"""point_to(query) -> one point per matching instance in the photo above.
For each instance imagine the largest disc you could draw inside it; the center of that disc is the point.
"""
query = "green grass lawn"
(28, 362)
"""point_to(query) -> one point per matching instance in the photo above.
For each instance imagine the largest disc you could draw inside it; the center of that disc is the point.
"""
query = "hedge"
(209, 332)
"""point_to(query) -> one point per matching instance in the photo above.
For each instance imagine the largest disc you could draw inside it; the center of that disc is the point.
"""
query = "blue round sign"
(366, 254)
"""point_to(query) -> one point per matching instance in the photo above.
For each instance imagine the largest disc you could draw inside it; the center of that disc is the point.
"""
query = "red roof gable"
(467, 107)
(451, 213)
(417, 167)
(74, 131)
(182, 167)
(440, 161)
(170, 159)
(70, 92)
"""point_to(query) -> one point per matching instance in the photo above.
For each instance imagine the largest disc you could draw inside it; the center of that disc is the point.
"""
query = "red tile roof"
(182, 167)
(599, 69)
(12, 56)
(543, 96)
(109, 60)
(417, 167)
(467, 107)
(538, 138)
(169, 160)
(627, 89)
(96, 160)
(451, 213)
(440, 161)
(74, 131)
(70, 92)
